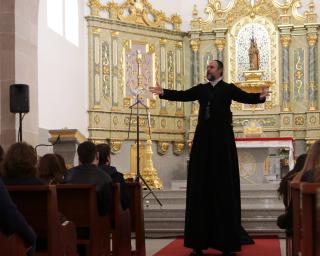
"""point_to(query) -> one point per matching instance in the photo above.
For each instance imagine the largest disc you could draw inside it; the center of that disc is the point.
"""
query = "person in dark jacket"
(87, 172)
(104, 151)
(283, 187)
(213, 207)
(309, 173)
(12, 221)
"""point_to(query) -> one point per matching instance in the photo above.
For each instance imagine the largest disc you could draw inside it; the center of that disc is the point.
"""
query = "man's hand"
(156, 89)
(264, 93)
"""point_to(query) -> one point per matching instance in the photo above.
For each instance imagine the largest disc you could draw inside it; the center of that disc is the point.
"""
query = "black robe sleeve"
(187, 95)
(245, 97)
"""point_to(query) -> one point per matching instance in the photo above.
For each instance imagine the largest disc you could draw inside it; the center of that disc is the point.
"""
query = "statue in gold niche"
(254, 55)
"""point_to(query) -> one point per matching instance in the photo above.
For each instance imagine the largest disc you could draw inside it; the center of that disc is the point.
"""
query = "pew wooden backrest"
(12, 245)
(137, 217)
(308, 194)
(38, 204)
(318, 224)
(296, 217)
(78, 202)
(121, 230)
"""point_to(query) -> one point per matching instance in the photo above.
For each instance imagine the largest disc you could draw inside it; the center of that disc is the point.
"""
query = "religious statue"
(254, 55)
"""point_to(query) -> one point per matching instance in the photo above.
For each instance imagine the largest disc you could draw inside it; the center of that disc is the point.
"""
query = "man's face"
(213, 72)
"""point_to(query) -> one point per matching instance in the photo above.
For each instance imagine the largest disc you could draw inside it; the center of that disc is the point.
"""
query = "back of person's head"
(62, 161)
(20, 161)
(313, 161)
(50, 169)
(298, 167)
(87, 152)
(104, 151)
(301, 159)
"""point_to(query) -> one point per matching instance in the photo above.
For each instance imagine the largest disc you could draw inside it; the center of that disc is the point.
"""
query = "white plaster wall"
(62, 69)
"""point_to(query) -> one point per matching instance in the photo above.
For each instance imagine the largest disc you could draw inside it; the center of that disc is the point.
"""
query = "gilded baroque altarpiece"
(132, 45)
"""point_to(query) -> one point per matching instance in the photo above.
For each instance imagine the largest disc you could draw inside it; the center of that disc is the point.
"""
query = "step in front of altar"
(260, 208)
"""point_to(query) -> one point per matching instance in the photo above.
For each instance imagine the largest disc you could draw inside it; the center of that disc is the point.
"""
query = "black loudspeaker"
(19, 98)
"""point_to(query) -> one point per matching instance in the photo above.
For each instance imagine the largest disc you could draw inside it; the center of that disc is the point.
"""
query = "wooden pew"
(288, 236)
(308, 194)
(38, 204)
(296, 209)
(121, 228)
(137, 217)
(12, 245)
(79, 203)
(318, 224)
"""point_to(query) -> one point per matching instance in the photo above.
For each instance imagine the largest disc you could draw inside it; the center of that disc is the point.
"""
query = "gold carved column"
(312, 92)
(220, 44)
(195, 45)
(285, 40)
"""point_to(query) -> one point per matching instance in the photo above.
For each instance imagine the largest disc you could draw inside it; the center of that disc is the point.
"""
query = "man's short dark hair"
(220, 65)
(104, 152)
(86, 152)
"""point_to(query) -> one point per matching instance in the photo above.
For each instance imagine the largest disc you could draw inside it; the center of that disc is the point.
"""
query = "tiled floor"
(154, 245)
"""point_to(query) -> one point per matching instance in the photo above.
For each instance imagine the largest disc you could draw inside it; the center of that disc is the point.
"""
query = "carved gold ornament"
(313, 120)
(96, 119)
(178, 147)
(312, 39)
(285, 40)
(115, 146)
(220, 43)
(195, 44)
(286, 120)
(163, 147)
(299, 120)
(137, 12)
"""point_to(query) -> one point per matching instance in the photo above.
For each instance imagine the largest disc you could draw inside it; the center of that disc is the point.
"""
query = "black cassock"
(213, 209)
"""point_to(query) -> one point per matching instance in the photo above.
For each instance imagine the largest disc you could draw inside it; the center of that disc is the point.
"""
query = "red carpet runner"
(262, 247)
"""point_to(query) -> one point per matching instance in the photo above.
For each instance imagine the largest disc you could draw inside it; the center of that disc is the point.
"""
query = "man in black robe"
(213, 209)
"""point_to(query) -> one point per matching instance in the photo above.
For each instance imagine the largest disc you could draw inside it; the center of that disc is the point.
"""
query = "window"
(63, 18)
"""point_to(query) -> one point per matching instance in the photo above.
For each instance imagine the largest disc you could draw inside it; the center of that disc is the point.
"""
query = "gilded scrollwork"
(106, 88)
(299, 74)
(163, 147)
(178, 147)
(136, 11)
(299, 120)
(115, 146)
(171, 70)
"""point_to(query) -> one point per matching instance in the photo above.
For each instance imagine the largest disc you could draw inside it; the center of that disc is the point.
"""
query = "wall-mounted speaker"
(19, 98)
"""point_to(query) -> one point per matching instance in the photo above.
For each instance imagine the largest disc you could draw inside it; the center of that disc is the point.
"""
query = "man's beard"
(210, 77)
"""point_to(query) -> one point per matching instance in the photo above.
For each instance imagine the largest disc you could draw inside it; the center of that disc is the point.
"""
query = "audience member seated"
(50, 169)
(62, 162)
(87, 172)
(283, 187)
(1, 158)
(12, 221)
(311, 169)
(309, 173)
(104, 151)
(19, 165)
